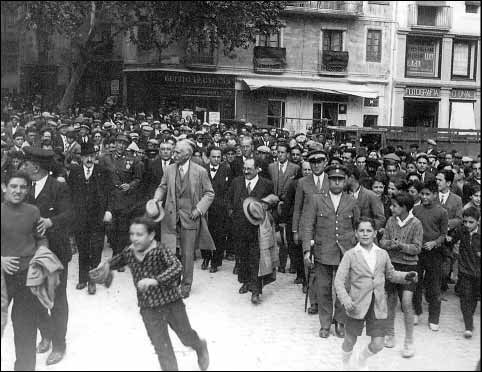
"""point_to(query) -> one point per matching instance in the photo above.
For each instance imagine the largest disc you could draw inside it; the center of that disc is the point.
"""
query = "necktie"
(33, 188)
(88, 173)
(248, 188)
(318, 183)
(213, 169)
(181, 172)
(442, 199)
(281, 168)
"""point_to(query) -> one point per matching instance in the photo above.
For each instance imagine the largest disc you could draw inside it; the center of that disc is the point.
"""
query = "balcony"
(341, 9)
(430, 18)
(270, 60)
(332, 62)
(201, 61)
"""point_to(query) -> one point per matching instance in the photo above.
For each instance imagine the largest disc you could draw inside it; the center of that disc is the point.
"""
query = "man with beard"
(91, 187)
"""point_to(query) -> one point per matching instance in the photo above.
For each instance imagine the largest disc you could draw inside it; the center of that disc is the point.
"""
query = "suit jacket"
(153, 176)
(90, 199)
(371, 206)
(54, 202)
(236, 195)
(237, 166)
(218, 210)
(305, 188)
(355, 274)
(333, 231)
(453, 206)
(202, 196)
(282, 181)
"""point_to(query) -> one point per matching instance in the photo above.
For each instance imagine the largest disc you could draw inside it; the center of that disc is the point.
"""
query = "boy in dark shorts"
(363, 270)
(402, 239)
(156, 272)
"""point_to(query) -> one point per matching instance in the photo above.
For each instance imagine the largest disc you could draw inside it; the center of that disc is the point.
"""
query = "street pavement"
(106, 331)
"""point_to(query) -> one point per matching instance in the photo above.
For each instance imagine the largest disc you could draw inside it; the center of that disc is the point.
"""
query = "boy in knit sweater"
(20, 241)
(156, 272)
(434, 220)
(469, 266)
(402, 239)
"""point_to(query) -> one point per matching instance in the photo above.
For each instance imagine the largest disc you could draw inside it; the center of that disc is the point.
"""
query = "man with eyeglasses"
(315, 183)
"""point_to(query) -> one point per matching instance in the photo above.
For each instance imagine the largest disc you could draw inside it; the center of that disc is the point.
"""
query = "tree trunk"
(68, 97)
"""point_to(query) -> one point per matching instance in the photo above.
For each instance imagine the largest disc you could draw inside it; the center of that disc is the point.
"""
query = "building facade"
(332, 60)
(437, 76)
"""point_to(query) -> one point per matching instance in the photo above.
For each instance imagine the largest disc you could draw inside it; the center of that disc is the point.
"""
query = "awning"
(312, 86)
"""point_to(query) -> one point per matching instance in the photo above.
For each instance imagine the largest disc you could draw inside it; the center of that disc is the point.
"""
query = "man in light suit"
(330, 221)
(453, 205)
(315, 183)
(188, 193)
(282, 174)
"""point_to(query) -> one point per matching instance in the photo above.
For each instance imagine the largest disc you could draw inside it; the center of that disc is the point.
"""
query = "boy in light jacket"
(363, 270)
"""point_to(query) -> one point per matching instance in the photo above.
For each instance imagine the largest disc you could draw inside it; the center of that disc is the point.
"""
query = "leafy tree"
(224, 24)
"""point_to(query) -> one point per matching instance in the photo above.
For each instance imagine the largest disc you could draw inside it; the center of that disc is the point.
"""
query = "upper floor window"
(333, 40)
(427, 15)
(422, 57)
(464, 59)
(472, 6)
(270, 40)
(374, 46)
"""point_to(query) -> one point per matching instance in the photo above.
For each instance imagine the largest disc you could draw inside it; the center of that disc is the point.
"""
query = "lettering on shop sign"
(197, 80)
(422, 92)
(462, 94)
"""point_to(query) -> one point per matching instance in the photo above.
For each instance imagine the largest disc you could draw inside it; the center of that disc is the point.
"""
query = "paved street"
(106, 332)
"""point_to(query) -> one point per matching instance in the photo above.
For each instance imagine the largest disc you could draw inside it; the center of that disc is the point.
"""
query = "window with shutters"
(333, 40)
(276, 113)
(271, 40)
(464, 56)
(374, 46)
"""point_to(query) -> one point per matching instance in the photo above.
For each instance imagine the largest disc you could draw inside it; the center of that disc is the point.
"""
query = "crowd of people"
(361, 227)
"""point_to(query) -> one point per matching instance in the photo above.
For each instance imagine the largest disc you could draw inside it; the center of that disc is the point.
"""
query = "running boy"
(156, 272)
(363, 269)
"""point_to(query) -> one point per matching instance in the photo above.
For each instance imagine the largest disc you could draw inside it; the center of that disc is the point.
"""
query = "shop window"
(462, 115)
(374, 46)
(422, 57)
(463, 59)
(276, 113)
(333, 40)
(270, 40)
(370, 120)
(420, 113)
(472, 6)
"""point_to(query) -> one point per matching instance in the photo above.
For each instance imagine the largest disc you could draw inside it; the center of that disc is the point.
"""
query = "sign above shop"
(462, 94)
(195, 84)
(422, 92)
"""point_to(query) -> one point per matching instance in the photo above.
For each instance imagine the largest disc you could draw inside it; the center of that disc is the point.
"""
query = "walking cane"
(309, 275)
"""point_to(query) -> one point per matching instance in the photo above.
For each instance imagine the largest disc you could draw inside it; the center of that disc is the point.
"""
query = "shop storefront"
(208, 97)
(421, 107)
(462, 109)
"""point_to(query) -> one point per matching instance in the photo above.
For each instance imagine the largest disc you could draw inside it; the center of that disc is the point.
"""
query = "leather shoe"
(230, 257)
(80, 286)
(121, 269)
(324, 333)
(298, 280)
(313, 309)
(340, 329)
(292, 270)
(203, 356)
(43, 346)
(213, 269)
(205, 264)
(55, 357)
(243, 289)
(281, 270)
(91, 290)
(255, 299)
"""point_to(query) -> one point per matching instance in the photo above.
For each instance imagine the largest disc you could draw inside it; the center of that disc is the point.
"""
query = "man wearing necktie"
(330, 221)
(218, 220)
(187, 192)
(91, 189)
(453, 205)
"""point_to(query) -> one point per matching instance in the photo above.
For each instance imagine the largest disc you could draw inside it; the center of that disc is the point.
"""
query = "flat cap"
(467, 159)
(134, 135)
(392, 156)
(431, 142)
(147, 128)
(264, 149)
(229, 148)
(122, 137)
(316, 154)
(41, 156)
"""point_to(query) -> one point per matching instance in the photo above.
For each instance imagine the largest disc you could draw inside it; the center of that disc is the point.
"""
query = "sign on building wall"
(425, 92)
(114, 87)
(422, 57)
(462, 94)
(194, 84)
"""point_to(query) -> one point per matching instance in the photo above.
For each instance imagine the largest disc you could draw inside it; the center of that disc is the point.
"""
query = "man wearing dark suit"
(453, 205)
(54, 202)
(471, 182)
(90, 185)
(155, 169)
(282, 174)
(330, 221)
(245, 235)
(12, 127)
(315, 183)
(218, 221)
(369, 204)
(422, 165)
(247, 152)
